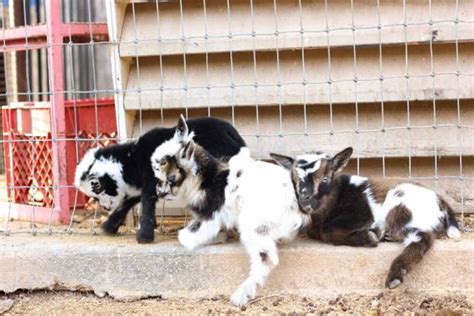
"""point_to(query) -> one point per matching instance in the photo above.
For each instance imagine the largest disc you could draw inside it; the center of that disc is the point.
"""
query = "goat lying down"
(120, 176)
(357, 211)
(255, 197)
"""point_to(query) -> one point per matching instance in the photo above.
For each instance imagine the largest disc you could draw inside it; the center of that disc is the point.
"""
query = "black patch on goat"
(218, 137)
(109, 185)
(116, 218)
(196, 224)
(214, 181)
(86, 173)
(398, 193)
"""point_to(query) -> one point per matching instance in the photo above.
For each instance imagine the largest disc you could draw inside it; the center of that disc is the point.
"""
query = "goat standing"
(120, 176)
(255, 197)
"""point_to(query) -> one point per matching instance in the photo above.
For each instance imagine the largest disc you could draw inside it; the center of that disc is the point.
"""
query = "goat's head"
(312, 175)
(98, 178)
(173, 159)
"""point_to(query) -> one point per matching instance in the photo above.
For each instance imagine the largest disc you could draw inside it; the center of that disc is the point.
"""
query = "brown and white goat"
(358, 211)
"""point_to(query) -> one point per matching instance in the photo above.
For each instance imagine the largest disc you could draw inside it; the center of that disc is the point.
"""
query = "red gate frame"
(52, 36)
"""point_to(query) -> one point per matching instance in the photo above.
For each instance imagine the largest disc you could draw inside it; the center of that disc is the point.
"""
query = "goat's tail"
(417, 244)
(450, 223)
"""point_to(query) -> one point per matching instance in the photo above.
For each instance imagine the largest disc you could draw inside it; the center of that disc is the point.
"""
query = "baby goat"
(120, 176)
(357, 211)
(255, 197)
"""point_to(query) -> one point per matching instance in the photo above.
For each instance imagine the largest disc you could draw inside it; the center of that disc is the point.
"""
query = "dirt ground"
(385, 303)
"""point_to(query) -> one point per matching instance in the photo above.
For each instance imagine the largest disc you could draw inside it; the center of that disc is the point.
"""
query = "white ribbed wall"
(247, 72)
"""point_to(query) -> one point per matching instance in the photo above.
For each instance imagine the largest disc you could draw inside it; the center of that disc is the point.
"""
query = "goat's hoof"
(145, 236)
(221, 238)
(395, 279)
(187, 240)
(109, 228)
(393, 283)
(373, 237)
(453, 232)
(239, 298)
(243, 294)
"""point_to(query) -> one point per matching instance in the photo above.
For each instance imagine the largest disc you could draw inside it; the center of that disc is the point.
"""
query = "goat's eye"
(163, 163)
(325, 179)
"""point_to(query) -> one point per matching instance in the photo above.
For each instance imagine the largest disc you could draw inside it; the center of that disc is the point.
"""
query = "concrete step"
(123, 269)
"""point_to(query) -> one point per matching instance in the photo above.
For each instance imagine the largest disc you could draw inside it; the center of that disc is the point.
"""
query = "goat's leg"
(263, 255)
(199, 232)
(362, 238)
(418, 243)
(146, 231)
(359, 238)
(113, 222)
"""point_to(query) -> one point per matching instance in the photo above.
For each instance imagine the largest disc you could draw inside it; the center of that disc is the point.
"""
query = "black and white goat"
(119, 176)
(357, 211)
(255, 197)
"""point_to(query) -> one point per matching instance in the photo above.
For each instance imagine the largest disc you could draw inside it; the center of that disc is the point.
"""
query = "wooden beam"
(249, 84)
(170, 32)
(416, 35)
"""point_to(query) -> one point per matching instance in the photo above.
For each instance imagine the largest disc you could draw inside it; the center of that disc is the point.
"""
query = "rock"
(277, 302)
(5, 305)
(375, 304)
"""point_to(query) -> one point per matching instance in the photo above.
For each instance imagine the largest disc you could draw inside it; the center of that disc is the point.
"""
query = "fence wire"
(391, 79)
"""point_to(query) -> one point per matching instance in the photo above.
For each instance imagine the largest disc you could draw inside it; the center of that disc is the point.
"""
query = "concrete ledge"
(121, 268)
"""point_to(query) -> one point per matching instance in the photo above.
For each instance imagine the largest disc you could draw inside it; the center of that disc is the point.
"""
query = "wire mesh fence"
(393, 79)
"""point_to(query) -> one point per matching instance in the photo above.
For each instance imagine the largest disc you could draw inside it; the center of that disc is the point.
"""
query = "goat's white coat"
(422, 203)
(84, 165)
(169, 148)
(411, 238)
(357, 180)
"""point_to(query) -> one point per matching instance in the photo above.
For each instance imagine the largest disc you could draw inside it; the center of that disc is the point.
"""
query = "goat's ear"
(340, 160)
(182, 129)
(284, 161)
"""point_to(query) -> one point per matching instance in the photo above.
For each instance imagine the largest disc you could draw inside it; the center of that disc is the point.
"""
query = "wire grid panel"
(391, 79)
(57, 85)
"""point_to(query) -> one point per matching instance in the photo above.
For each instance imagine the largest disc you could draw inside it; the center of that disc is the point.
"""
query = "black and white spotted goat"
(119, 176)
(357, 211)
(255, 197)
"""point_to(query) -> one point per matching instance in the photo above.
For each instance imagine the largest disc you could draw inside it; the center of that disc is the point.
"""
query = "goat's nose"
(171, 179)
